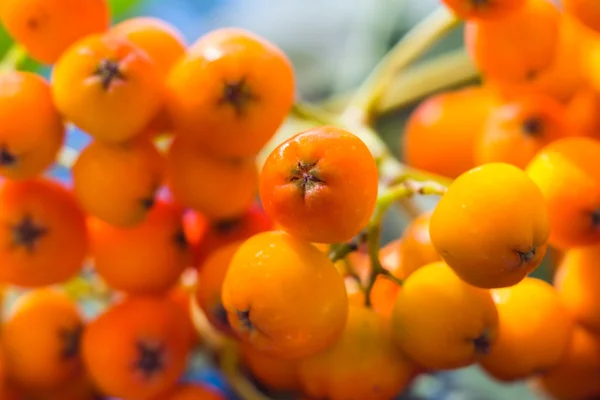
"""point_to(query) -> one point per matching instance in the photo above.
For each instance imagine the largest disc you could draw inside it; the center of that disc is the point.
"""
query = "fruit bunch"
(190, 240)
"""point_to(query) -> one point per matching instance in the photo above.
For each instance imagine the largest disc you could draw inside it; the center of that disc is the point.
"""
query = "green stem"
(13, 58)
(400, 191)
(415, 43)
(339, 251)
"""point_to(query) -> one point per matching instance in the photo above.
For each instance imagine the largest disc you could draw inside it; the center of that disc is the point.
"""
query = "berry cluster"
(190, 242)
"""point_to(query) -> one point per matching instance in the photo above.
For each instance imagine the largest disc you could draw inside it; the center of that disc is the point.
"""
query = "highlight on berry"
(195, 209)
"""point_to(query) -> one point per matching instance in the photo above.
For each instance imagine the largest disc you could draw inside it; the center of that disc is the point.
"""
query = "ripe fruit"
(576, 377)
(415, 249)
(137, 348)
(568, 175)
(565, 75)
(440, 321)
(534, 331)
(363, 364)
(284, 296)
(491, 226)
(118, 183)
(582, 113)
(439, 135)
(218, 188)
(192, 392)
(513, 49)
(516, 130)
(40, 340)
(163, 42)
(586, 11)
(210, 284)
(472, 9)
(28, 146)
(231, 92)
(43, 239)
(46, 28)
(108, 87)
(207, 236)
(578, 282)
(320, 185)
(272, 372)
(122, 257)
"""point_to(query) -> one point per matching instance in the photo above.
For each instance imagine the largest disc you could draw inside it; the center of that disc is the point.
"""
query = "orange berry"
(28, 145)
(121, 255)
(586, 11)
(118, 183)
(233, 183)
(533, 334)
(564, 76)
(568, 174)
(440, 321)
(207, 236)
(163, 42)
(491, 226)
(284, 296)
(363, 364)
(576, 377)
(46, 28)
(192, 392)
(577, 279)
(582, 113)
(210, 285)
(477, 9)
(592, 62)
(320, 185)
(44, 237)
(415, 249)
(274, 373)
(440, 133)
(40, 340)
(230, 92)
(108, 87)
(516, 130)
(512, 48)
(137, 348)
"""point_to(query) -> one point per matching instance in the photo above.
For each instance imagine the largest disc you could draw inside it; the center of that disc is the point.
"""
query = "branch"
(400, 191)
(412, 45)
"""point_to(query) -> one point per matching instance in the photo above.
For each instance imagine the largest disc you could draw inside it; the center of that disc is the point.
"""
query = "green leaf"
(121, 8)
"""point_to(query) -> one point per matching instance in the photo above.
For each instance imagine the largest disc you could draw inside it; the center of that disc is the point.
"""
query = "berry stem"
(441, 72)
(13, 58)
(230, 367)
(444, 71)
(406, 189)
(339, 251)
(412, 45)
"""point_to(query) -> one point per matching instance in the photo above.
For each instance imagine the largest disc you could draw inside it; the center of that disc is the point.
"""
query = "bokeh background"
(333, 45)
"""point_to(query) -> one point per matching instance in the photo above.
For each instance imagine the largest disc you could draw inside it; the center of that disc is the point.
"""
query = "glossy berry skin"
(46, 28)
(491, 236)
(320, 185)
(29, 145)
(108, 87)
(230, 92)
(512, 49)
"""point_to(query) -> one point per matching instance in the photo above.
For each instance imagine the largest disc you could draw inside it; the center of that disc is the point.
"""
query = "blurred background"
(333, 45)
